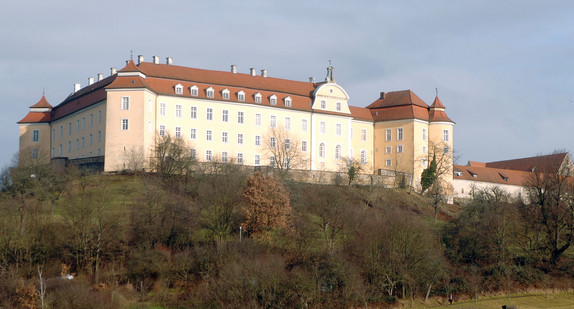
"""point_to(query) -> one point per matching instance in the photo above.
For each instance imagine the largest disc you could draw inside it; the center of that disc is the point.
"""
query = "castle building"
(234, 117)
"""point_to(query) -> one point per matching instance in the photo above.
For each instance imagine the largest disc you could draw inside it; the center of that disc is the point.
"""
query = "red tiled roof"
(43, 103)
(83, 98)
(438, 116)
(398, 98)
(130, 67)
(551, 163)
(491, 175)
(400, 113)
(476, 164)
(437, 103)
(34, 117)
(361, 113)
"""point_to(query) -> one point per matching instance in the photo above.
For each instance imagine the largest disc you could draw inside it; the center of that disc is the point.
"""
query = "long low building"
(235, 117)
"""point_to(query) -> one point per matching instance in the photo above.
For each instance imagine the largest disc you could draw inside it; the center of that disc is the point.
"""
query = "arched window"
(363, 156)
(322, 150)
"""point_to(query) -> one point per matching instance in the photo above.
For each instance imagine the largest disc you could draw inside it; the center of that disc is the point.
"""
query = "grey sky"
(503, 69)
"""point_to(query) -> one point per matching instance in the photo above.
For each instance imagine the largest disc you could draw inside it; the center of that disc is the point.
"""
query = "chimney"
(168, 61)
(156, 59)
(233, 69)
(264, 73)
(77, 87)
(90, 80)
(100, 76)
(382, 95)
(312, 79)
(113, 71)
(140, 59)
(253, 71)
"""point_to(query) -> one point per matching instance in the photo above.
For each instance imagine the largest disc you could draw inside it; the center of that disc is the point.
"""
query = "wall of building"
(34, 149)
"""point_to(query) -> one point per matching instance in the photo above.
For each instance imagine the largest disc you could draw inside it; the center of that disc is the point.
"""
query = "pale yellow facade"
(34, 145)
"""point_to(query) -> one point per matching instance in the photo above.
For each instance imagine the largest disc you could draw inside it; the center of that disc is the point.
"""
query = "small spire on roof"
(330, 78)
(436, 92)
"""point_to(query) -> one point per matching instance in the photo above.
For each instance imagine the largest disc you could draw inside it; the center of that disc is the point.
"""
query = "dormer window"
(178, 89)
(273, 100)
(338, 106)
(323, 104)
(209, 92)
(241, 95)
(194, 91)
(288, 101)
(257, 97)
(225, 94)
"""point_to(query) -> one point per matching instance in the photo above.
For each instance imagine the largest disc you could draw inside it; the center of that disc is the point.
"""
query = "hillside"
(225, 237)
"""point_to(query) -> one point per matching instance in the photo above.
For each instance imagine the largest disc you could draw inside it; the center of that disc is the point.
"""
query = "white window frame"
(125, 103)
(338, 129)
(193, 153)
(225, 115)
(209, 135)
(240, 158)
(257, 97)
(445, 135)
(388, 149)
(304, 146)
(322, 150)
(257, 160)
(287, 123)
(258, 120)
(162, 108)
(399, 148)
(424, 134)
(240, 138)
(240, 117)
(178, 132)
(162, 131)
(258, 140)
(400, 133)
(224, 137)
(241, 96)
(208, 155)
(125, 124)
(323, 104)
(323, 127)
(339, 106)
(194, 91)
(209, 92)
(193, 133)
(304, 125)
(273, 100)
(193, 112)
(388, 135)
(364, 135)
(178, 89)
(364, 158)
(288, 101)
(273, 121)
(178, 110)
(35, 136)
(209, 114)
(224, 157)
(272, 142)
(388, 162)
(338, 152)
(225, 94)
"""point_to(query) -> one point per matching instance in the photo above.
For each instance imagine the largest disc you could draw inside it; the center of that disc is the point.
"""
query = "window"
(193, 134)
(178, 89)
(322, 127)
(69, 146)
(69, 128)
(388, 149)
(363, 157)
(77, 144)
(424, 163)
(258, 120)
(209, 113)
(287, 123)
(240, 138)
(83, 142)
(194, 91)
(99, 116)
(149, 105)
(78, 125)
(388, 135)
(338, 129)
(125, 124)
(445, 150)
(339, 106)
(273, 100)
(388, 162)
(258, 97)
(399, 134)
(35, 153)
(364, 135)
(99, 136)
(225, 94)
(208, 155)
(193, 153)
(125, 103)
(273, 122)
(194, 112)
(60, 150)
(323, 104)
(209, 92)
(91, 120)
(83, 123)
(224, 157)
(304, 146)
(36, 135)
(257, 140)
(224, 137)
(61, 131)
(399, 148)
(240, 117)
(272, 161)
(257, 159)
(162, 109)
(178, 132)
(445, 135)
(424, 149)
(239, 158)
(338, 152)
(225, 116)
(288, 101)
(91, 139)
(53, 152)
(304, 125)
(424, 134)
(287, 144)
(322, 150)
(161, 130)
(208, 135)
(241, 95)
(272, 143)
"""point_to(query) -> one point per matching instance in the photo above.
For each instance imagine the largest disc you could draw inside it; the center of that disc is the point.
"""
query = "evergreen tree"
(428, 175)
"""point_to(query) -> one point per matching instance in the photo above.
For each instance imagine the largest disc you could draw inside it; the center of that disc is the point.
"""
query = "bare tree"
(353, 168)
(172, 156)
(283, 147)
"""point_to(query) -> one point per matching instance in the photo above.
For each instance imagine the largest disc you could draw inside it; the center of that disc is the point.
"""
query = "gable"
(331, 97)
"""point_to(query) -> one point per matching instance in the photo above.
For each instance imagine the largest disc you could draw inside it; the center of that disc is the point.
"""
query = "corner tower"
(35, 134)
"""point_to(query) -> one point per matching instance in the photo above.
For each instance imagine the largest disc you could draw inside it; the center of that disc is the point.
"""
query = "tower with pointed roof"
(35, 134)
(408, 133)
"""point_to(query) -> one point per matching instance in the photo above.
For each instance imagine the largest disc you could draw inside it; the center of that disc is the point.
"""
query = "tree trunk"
(428, 292)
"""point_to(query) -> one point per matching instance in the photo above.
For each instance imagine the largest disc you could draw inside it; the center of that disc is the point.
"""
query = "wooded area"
(223, 237)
